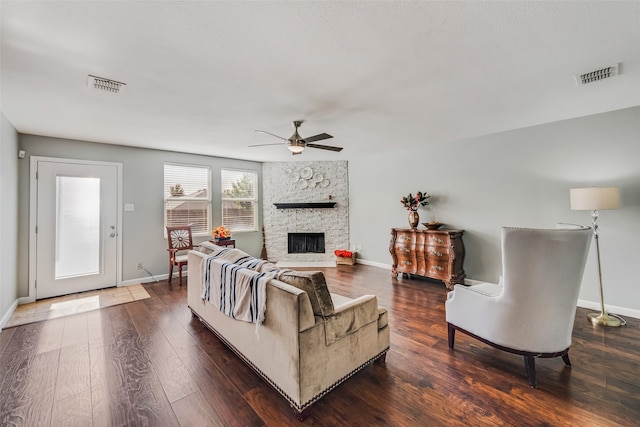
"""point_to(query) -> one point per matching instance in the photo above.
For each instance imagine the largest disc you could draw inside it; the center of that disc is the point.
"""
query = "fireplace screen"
(304, 243)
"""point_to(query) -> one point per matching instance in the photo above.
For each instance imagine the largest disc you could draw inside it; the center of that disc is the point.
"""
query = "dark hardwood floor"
(149, 363)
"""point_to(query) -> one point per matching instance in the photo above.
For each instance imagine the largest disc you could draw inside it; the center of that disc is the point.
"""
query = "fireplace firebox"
(304, 243)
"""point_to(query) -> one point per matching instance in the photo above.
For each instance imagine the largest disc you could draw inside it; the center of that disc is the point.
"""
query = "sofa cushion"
(314, 284)
(350, 314)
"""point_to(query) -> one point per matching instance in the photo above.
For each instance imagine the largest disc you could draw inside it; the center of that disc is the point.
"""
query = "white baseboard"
(373, 264)
(8, 314)
(149, 279)
(623, 311)
(26, 300)
(294, 264)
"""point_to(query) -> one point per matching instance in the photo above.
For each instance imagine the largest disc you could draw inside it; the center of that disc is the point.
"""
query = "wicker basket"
(341, 260)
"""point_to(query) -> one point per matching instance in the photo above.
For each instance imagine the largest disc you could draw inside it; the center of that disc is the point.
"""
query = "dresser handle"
(405, 250)
(437, 267)
(435, 240)
(435, 253)
(406, 262)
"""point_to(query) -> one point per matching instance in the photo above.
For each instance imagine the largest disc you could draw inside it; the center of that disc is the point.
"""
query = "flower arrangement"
(343, 253)
(221, 232)
(345, 257)
(412, 203)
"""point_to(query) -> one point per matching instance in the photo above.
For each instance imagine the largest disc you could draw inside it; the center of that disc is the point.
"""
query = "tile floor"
(67, 305)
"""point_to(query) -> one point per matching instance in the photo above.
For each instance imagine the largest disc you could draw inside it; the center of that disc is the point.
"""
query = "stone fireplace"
(308, 199)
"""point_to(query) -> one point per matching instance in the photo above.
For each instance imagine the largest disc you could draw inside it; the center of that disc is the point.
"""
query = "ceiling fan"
(296, 144)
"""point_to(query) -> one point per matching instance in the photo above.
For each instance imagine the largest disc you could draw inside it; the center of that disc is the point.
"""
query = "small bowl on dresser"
(432, 225)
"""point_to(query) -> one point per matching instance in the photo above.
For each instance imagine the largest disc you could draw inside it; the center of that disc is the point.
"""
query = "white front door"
(76, 231)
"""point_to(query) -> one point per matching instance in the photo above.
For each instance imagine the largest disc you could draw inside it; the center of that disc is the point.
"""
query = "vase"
(414, 219)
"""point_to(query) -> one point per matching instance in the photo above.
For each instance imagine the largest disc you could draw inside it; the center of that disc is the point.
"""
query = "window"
(187, 197)
(239, 200)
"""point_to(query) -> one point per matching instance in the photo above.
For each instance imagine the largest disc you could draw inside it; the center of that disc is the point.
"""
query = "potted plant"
(412, 203)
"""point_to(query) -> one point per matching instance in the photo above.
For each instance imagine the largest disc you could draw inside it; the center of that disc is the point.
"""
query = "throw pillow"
(314, 284)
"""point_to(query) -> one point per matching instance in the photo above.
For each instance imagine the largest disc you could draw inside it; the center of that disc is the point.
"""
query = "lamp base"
(603, 319)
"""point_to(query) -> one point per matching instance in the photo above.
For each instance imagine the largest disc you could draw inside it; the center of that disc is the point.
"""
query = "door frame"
(33, 216)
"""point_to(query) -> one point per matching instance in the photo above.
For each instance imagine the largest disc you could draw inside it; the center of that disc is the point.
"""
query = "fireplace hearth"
(304, 243)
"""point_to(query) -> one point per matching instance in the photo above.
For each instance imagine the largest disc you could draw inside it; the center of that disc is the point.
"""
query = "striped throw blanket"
(239, 284)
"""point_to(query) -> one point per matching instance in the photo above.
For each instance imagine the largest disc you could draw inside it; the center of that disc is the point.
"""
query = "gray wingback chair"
(531, 312)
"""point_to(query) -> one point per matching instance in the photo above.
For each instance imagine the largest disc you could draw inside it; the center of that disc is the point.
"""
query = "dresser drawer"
(403, 249)
(407, 264)
(438, 269)
(437, 240)
(406, 237)
(437, 252)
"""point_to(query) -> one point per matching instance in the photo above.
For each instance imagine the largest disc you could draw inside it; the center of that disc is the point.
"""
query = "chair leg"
(451, 334)
(530, 367)
(170, 272)
(179, 274)
(565, 357)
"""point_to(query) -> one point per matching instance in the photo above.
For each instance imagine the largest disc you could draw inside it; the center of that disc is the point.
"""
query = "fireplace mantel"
(308, 205)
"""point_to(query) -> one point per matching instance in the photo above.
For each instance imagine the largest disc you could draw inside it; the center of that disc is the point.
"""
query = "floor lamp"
(594, 199)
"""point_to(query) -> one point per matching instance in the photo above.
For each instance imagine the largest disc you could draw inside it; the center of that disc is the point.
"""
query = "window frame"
(254, 200)
(206, 201)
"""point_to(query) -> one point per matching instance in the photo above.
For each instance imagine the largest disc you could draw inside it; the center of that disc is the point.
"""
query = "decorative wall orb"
(306, 173)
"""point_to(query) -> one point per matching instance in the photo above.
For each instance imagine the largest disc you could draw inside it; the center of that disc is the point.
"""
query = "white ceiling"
(202, 76)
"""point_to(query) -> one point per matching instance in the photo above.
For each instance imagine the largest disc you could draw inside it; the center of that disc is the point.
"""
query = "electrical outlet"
(139, 266)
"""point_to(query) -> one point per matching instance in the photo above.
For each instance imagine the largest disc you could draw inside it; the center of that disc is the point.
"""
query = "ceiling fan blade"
(318, 137)
(262, 145)
(324, 147)
(269, 133)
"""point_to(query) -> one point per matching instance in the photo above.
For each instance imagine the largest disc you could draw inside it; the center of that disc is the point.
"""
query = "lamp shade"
(595, 198)
(295, 148)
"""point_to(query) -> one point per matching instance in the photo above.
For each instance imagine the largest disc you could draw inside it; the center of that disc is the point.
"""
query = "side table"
(226, 243)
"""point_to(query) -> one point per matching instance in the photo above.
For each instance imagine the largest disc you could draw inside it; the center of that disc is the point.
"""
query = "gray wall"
(515, 178)
(143, 172)
(8, 216)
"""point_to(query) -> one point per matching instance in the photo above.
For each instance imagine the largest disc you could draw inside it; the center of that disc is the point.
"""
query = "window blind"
(187, 197)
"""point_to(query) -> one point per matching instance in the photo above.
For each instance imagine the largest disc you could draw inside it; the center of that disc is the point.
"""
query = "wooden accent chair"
(531, 312)
(179, 240)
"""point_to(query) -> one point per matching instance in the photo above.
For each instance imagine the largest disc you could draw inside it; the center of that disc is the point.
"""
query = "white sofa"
(309, 341)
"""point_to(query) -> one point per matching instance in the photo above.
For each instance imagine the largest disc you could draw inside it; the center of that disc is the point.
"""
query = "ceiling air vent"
(594, 76)
(107, 85)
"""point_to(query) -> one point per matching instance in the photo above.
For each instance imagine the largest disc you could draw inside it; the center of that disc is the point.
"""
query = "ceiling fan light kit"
(295, 148)
(296, 144)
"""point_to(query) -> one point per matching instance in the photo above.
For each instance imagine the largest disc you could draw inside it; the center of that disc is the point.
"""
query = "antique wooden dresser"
(437, 254)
